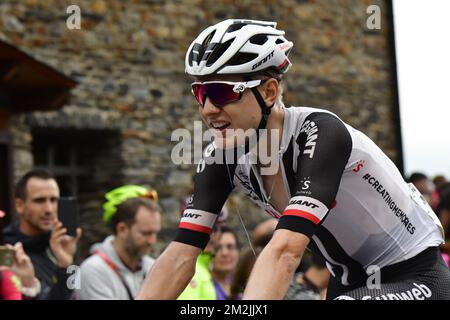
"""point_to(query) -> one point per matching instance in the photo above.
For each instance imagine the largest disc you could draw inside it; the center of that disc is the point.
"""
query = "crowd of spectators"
(42, 251)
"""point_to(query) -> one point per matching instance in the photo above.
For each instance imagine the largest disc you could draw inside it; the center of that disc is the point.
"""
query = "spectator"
(312, 284)
(260, 238)
(43, 237)
(242, 273)
(444, 216)
(18, 280)
(118, 266)
(224, 263)
(439, 181)
(201, 286)
(423, 184)
(263, 231)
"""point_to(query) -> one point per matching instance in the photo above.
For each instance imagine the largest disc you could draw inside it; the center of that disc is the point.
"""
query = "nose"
(50, 206)
(151, 240)
(209, 108)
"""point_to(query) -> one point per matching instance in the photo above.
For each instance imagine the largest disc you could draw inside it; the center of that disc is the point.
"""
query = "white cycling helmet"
(239, 47)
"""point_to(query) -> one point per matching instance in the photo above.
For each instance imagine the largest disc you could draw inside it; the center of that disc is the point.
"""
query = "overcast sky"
(422, 35)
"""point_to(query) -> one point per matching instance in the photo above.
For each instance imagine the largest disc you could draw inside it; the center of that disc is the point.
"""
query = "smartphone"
(68, 214)
(6, 256)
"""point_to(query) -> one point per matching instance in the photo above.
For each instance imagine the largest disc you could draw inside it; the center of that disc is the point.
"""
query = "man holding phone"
(44, 238)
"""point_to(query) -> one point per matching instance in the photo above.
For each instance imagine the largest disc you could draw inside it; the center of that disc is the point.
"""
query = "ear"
(20, 205)
(270, 91)
(122, 228)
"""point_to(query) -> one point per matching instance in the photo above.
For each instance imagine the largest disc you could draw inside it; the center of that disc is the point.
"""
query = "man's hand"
(63, 246)
(22, 266)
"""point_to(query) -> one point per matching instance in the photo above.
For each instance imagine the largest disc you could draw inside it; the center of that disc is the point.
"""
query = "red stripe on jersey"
(195, 227)
(303, 214)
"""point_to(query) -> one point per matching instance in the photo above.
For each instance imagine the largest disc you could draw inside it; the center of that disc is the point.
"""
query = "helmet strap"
(264, 110)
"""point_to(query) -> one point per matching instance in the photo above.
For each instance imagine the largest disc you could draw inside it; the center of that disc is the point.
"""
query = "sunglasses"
(221, 93)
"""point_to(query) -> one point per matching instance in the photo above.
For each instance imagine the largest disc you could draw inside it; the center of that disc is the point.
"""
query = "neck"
(318, 277)
(131, 262)
(29, 230)
(222, 277)
(269, 144)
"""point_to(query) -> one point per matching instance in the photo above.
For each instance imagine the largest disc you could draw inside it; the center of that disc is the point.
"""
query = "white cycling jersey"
(345, 194)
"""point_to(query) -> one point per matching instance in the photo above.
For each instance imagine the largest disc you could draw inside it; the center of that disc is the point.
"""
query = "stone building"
(131, 91)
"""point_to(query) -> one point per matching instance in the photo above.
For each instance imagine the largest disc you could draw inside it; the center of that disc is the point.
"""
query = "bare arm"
(171, 273)
(276, 265)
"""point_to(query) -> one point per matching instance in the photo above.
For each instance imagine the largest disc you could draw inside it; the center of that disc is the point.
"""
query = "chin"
(46, 228)
(145, 252)
(225, 143)
(231, 141)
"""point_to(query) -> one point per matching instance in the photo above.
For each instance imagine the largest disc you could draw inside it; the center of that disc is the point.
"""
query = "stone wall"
(128, 58)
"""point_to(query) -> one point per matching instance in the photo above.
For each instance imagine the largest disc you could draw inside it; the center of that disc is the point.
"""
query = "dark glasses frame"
(237, 87)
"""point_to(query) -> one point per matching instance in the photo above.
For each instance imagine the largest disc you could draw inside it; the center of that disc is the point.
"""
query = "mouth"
(47, 220)
(219, 125)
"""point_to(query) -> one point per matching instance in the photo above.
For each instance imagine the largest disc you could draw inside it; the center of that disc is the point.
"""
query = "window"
(71, 156)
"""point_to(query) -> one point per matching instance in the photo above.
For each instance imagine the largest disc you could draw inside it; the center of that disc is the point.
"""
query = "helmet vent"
(241, 58)
(279, 41)
(217, 52)
(208, 39)
(235, 27)
(258, 39)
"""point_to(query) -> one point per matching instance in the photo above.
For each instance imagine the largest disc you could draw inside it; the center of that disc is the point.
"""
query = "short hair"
(417, 176)
(127, 210)
(439, 181)
(20, 191)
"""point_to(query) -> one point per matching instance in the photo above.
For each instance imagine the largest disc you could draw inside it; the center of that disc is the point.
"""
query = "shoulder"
(320, 116)
(300, 119)
(147, 262)
(320, 123)
(94, 264)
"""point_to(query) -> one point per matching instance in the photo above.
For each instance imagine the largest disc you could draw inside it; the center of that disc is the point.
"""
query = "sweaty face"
(142, 235)
(227, 254)
(225, 121)
(39, 210)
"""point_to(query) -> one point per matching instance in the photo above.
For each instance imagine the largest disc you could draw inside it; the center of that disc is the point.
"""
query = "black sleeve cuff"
(297, 224)
(193, 238)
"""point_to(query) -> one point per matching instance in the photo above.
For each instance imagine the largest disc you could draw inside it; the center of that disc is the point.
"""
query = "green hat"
(117, 196)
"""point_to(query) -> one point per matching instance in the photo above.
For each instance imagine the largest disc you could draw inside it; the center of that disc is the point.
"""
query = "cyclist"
(334, 190)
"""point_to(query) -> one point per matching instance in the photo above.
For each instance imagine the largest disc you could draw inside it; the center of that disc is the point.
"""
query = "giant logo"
(267, 58)
(304, 203)
(191, 215)
(311, 130)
